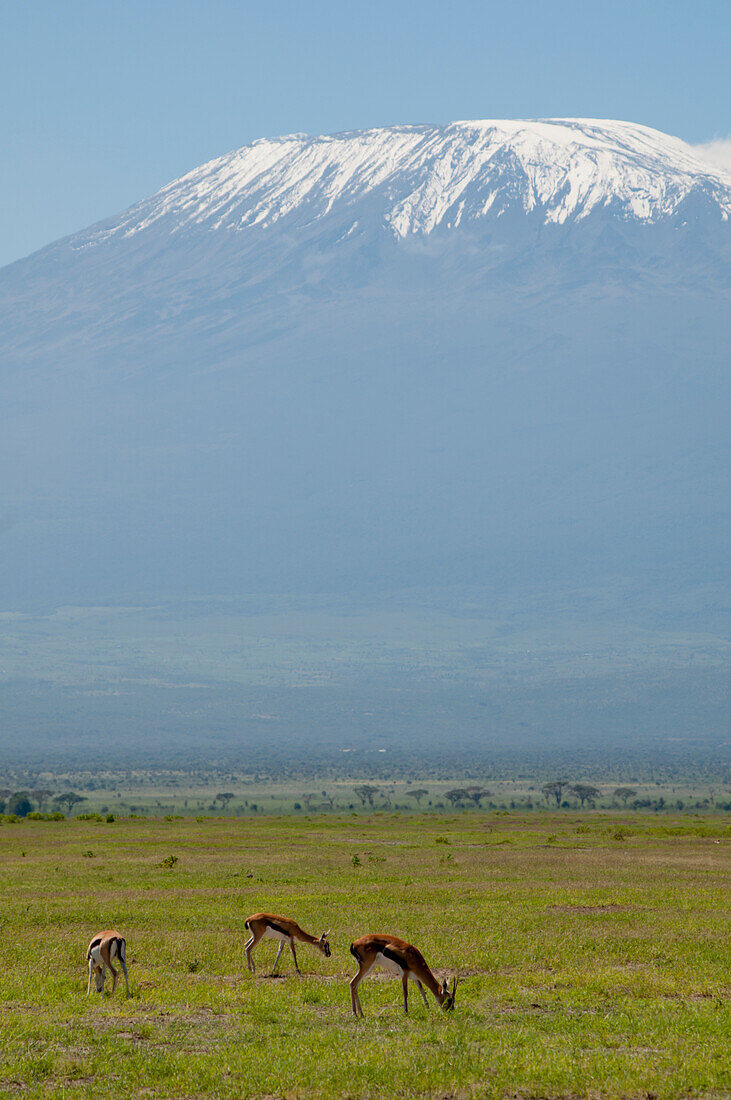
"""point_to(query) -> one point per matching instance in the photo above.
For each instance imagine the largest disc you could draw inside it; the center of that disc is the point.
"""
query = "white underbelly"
(273, 934)
(389, 964)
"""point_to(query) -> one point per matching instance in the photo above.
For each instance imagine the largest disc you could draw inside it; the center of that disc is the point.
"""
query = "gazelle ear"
(325, 935)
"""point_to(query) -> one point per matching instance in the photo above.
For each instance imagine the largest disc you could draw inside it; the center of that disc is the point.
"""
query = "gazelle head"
(447, 995)
(99, 979)
(323, 945)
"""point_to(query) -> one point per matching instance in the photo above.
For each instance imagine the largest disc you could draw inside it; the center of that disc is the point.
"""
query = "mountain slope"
(411, 355)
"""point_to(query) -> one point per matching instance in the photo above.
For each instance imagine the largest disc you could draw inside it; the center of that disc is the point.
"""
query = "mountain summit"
(418, 179)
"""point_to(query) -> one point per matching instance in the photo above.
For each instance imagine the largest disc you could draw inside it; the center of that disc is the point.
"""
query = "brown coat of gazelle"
(399, 958)
(105, 947)
(270, 926)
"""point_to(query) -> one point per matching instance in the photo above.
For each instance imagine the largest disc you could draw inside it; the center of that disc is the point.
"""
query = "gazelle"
(103, 950)
(270, 926)
(402, 959)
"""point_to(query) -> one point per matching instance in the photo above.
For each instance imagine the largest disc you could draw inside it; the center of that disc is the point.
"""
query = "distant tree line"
(372, 796)
(21, 803)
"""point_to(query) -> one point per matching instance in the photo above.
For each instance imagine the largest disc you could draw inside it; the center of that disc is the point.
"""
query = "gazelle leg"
(405, 984)
(249, 946)
(354, 999)
(354, 983)
(294, 956)
(423, 994)
(279, 955)
(115, 976)
(91, 971)
(123, 964)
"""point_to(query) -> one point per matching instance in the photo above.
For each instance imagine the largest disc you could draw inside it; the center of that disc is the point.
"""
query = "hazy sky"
(102, 103)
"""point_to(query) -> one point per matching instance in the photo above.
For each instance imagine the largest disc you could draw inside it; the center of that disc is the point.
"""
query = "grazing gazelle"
(270, 926)
(400, 958)
(103, 950)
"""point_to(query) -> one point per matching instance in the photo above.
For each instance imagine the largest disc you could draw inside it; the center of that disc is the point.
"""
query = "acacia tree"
(417, 794)
(554, 790)
(583, 792)
(224, 797)
(69, 799)
(41, 797)
(366, 793)
(457, 795)
(624, 793)
(477, 794)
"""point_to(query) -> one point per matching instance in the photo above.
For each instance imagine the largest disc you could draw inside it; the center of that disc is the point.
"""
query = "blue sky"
(102, 103)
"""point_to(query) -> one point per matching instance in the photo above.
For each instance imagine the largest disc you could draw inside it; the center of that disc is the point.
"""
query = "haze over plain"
(487, 359)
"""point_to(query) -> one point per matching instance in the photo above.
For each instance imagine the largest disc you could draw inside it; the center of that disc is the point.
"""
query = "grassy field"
(592, 950)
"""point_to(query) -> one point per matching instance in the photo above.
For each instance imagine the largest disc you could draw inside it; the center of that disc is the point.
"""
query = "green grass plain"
(592, 951)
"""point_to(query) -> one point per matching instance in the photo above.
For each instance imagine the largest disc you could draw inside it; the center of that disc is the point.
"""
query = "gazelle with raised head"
(401, 959)
(270, 926)
(103, 950)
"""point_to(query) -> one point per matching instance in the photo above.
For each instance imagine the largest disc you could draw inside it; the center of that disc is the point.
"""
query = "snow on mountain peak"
(415, 179)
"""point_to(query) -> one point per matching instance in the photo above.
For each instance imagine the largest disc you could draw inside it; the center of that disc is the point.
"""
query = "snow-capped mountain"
(417, 179)
(410, 354)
